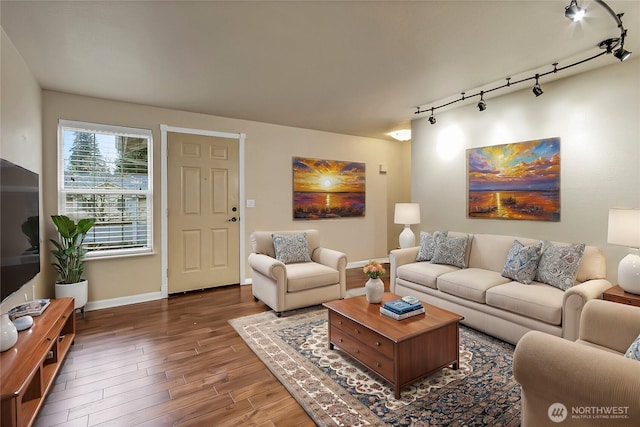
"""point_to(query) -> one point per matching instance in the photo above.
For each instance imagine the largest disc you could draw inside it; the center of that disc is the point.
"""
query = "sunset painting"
(515, 181)
(325, 189)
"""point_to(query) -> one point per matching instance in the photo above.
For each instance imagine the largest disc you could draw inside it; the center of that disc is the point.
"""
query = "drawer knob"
(378, 343)
(378, 364)
(340, 340)
(356, 351)
(339, 322)
(49, 339)
(357, 331)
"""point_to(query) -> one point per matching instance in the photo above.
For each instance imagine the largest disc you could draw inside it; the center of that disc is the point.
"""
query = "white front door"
(203, 212)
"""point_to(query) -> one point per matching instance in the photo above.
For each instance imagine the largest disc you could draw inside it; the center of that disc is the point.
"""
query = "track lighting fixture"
(482, 105)
(574, 12)
(432, 118)
(537, 90)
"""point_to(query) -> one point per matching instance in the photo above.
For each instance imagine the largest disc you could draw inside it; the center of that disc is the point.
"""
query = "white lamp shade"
(624, 227)
(407, 213)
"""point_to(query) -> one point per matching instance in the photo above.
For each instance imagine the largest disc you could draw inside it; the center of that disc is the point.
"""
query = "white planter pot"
(374, 290)
(78, 291)
(8, 333)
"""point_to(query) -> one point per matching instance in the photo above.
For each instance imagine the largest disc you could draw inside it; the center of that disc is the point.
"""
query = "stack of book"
(399, 309)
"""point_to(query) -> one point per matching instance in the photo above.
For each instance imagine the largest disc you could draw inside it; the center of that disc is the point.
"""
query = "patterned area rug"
(336, 390)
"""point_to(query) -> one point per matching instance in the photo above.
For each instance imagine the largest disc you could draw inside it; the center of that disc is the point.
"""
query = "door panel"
(203, 226)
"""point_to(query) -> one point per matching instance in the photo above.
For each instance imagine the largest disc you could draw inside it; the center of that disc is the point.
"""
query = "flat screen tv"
(19, 219)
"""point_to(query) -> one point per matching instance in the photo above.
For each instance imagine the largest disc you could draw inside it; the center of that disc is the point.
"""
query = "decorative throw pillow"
(522, 262)
(428, 244)
(451, 251)
(634, 350)
(559, 264)
(291, 248)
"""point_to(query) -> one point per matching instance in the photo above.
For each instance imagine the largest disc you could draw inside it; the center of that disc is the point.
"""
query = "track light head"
(574, 12)
(622, 54)
(432, 118)
(482, 105)
(537, 90)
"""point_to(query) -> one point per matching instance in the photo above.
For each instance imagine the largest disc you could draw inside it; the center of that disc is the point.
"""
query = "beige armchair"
(590, 377)
(287, 286)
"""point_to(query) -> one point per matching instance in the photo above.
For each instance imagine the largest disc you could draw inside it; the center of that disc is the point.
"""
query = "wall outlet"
(251, 203)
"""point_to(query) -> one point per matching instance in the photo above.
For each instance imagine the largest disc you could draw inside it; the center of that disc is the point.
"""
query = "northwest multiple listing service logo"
(557, 412)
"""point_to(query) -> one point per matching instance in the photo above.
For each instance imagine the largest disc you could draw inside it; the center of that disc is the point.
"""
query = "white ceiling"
(352, 67)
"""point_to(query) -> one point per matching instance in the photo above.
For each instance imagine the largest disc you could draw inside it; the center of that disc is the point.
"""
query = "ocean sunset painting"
(515, 181)
(324, 189)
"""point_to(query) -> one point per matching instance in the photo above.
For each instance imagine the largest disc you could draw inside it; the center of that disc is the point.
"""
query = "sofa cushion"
(428, 243)
(536, 300)
(470, 283)
(309, 275)
(634, 350)
(423, 273)
(451, 251)
(559, 264)
(522, 262)
(291, 248)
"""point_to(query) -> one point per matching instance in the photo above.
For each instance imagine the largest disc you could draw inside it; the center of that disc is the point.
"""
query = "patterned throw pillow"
(522, 262)
(634, 350)
(451, 251)
(428, 244)
(559, 264)
(292, 248)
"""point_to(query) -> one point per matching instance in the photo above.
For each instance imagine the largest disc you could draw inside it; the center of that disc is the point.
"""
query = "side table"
(617, 294)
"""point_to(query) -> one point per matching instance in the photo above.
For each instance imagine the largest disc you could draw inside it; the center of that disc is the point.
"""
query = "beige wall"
(268, 181)
(596, 114)
(20, 134)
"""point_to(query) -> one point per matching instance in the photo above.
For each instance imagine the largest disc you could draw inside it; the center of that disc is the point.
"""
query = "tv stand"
(28, 369)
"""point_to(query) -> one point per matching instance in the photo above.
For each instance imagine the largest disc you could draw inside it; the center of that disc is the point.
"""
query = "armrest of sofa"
(574, 301)
(553, 370)
(610, 324)
(334, 259)
(398, 257)
(269, 267)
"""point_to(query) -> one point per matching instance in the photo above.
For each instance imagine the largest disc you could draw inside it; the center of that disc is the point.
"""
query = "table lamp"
(624, 230)
(407, 214)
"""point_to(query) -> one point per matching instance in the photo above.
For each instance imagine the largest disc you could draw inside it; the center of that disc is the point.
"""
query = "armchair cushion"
(309, 275)
(291, 248)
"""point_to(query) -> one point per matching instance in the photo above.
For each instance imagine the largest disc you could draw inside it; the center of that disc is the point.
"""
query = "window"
(106, 175)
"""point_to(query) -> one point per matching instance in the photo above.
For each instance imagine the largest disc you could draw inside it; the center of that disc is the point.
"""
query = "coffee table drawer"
(367, 355)
(371, 339)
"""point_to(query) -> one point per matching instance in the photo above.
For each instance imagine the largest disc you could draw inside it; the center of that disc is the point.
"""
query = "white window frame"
(70, 125)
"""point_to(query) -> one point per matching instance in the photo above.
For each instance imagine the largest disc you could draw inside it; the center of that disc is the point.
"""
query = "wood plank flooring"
(173, 362)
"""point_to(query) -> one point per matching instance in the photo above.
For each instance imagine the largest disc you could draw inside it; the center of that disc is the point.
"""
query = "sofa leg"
(278, 313)
(256, 299)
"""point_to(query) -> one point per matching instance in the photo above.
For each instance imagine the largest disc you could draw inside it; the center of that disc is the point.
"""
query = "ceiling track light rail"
(573, 12)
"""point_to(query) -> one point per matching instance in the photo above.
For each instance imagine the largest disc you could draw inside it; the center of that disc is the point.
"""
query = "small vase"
(374, 289)
(8, 333)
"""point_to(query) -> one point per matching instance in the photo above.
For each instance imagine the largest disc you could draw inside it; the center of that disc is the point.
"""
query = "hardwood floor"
(171, 362)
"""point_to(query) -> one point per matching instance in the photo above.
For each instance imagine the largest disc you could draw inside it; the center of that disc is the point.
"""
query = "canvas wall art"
(324, 189)
(518, 181)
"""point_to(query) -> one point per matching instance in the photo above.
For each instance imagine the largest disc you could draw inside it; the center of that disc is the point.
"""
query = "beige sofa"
(287, 286)
(589, 382)
(494, 304)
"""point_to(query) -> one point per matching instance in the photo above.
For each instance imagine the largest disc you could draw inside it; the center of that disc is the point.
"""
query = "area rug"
(336, 390)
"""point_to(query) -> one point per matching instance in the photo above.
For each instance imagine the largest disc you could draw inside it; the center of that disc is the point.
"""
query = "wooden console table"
(28, 369)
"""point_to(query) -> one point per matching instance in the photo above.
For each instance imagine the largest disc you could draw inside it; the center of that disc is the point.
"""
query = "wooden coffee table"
(400, 351)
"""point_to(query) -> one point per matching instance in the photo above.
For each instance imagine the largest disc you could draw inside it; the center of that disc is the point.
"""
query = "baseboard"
(117, 302)
(360, 264)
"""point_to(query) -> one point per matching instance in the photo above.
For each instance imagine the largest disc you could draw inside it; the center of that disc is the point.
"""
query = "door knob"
(233, 219)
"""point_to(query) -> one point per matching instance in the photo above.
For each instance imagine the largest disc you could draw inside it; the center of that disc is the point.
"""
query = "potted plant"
(70, 258)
